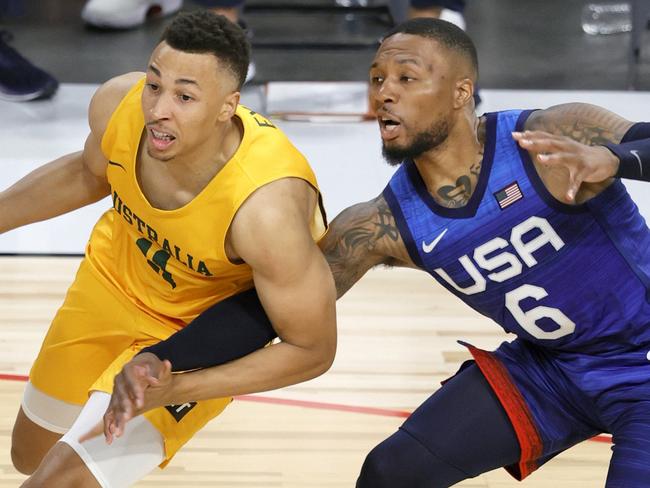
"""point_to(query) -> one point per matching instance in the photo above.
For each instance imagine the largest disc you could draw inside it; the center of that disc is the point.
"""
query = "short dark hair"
(203, 31)
(446, 33)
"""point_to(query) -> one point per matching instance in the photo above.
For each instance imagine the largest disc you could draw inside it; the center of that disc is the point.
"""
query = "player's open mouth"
(161, 140)
(389, 127)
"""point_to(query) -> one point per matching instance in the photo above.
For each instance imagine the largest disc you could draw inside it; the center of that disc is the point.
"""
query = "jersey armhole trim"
(237, 204)
(534, 178)
(402, 226)
(111, 124)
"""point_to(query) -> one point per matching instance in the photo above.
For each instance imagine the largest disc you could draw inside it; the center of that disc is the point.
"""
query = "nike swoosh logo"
(429, 247)
(112, 163)
(635, 153)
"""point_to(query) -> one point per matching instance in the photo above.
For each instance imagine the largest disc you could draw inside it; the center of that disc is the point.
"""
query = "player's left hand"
(142, 385)
(590, 164)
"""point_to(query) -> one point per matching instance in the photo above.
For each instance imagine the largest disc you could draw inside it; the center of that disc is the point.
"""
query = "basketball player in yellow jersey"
(209, 199)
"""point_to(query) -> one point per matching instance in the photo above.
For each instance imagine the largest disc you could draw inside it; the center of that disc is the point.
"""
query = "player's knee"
(29, 446)
(32, 482)
(24, 460)
(376, 472)
(30, 443)
(40, 480)
(401, 461)
(55, 476)
(62, 467)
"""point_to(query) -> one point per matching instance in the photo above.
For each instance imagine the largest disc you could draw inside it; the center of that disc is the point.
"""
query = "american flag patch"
(508, 195)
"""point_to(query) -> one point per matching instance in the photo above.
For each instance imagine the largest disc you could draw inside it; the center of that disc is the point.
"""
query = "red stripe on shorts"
(508, 394)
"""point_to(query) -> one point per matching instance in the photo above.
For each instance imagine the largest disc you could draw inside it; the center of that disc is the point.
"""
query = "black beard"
(422, 142)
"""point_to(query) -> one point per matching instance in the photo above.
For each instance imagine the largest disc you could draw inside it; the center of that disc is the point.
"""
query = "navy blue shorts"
(556, 399)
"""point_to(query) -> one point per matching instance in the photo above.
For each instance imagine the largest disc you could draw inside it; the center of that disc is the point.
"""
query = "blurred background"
(311, 60)
(531, 44)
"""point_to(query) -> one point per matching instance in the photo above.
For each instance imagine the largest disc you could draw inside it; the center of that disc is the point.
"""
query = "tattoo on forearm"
(351, 245)
(385, 226)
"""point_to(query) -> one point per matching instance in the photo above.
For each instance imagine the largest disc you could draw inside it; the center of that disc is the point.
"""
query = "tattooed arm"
(582, 122)
(565, 144)
(361, 237)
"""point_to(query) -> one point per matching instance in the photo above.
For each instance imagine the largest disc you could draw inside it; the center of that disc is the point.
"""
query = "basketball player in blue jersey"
(566, 269)
(519, 214)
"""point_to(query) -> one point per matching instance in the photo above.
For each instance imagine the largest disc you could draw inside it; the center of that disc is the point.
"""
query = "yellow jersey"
(172, 264)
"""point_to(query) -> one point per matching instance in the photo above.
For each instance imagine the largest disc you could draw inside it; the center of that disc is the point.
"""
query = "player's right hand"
(139, 387)
(590, 164)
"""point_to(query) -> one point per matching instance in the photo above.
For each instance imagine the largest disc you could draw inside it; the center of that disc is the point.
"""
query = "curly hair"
(446, 33)
(203, 31)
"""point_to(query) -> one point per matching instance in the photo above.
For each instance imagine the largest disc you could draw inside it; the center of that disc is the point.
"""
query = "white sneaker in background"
(125, 14)
(454, 17)
(250, 74)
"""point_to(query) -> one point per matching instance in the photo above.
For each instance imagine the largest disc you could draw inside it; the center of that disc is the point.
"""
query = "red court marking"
(282, 401)
(324, 406)
(14, 377)
(384, 412)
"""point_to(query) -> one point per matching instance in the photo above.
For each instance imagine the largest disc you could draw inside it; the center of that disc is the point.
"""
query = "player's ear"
(464, 92)
(229, 106)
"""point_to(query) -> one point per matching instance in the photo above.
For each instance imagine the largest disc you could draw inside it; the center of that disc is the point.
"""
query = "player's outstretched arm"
(271, 233)
(71, 181)
(226, 331)
(294, 283)
(357, 240)
(582, 146)
(361, 237)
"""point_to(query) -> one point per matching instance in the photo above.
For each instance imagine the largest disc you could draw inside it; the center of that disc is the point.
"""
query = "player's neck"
(451, 170)
(208, 158)
(170, 184)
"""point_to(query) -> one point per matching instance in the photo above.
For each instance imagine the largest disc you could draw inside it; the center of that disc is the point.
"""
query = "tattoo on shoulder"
(359, 238)
(582, 122)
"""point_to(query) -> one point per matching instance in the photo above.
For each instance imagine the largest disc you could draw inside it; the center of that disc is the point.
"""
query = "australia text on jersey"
(152, 235)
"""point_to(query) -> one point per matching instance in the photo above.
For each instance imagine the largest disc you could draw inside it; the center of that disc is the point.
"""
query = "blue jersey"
(567, 277)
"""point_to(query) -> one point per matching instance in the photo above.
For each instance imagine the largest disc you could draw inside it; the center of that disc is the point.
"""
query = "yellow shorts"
(94, 333)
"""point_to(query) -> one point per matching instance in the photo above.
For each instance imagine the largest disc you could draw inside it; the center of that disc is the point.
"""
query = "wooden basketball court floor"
(397, 342)
(398, 328)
